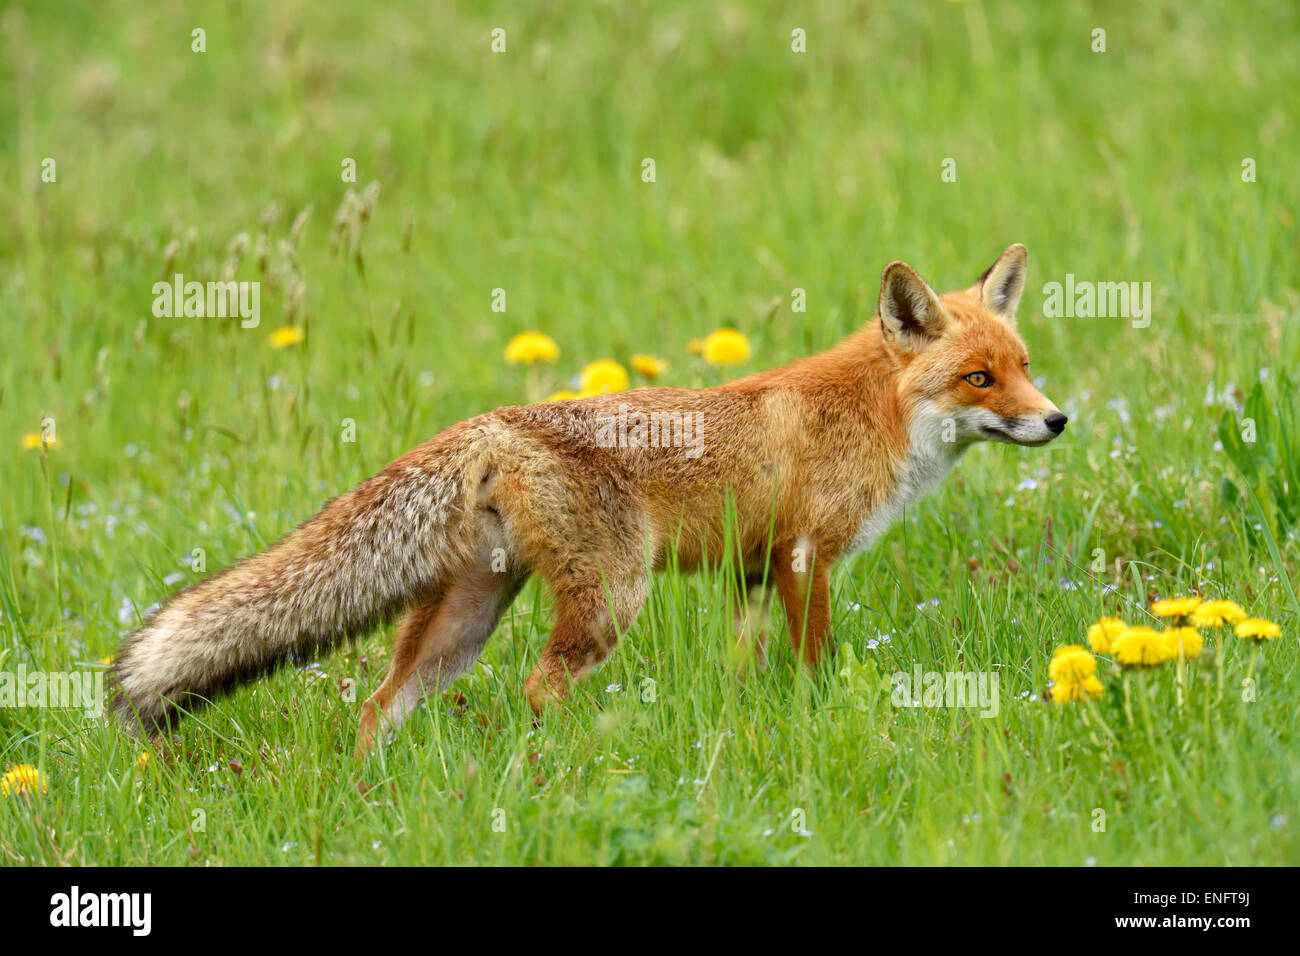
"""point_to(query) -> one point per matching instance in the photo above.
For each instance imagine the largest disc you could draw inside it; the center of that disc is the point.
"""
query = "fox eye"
(979, 379)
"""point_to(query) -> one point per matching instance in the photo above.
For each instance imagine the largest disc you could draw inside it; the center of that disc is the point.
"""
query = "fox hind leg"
(588, 621)
(438, 640)
(475, 618)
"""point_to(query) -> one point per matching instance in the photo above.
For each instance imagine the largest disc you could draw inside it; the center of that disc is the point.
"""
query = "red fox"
(809, 462)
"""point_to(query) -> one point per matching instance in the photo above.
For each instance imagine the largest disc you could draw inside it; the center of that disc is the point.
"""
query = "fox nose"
(1056, 422)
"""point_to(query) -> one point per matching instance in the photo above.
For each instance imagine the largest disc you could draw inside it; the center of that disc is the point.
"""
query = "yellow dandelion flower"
(286, 336)
(562, 396)
(1140, 647)
(649, 366)
(142, 762)
(1103, 634)
(1188, 638)
(1069, 691)
(695, 346)
(603, 376)
(1175, 607)
(22, 778)
(1217, 614)
(1258, 629)
(34, 441)
(1072, 664)
(726, 347)
(527, 348)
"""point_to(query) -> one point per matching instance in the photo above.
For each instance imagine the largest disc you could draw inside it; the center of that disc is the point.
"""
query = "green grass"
(775, 171)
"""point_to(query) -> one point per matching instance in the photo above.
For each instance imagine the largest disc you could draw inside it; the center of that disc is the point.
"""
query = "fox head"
(962, 355)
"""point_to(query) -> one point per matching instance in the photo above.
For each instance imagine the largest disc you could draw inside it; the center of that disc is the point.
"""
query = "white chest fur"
(932, 450)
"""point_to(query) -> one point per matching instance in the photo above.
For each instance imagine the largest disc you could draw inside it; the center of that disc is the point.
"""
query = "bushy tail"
(365, 556)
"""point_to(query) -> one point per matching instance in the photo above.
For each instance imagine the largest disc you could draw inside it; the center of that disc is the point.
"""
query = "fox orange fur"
(811, 461)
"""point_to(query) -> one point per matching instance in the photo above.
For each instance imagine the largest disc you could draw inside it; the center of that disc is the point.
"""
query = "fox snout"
(1027, 428)
(1035, 429)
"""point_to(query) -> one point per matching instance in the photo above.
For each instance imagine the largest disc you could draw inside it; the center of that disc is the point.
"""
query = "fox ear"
(911, 316)
(1001, 284)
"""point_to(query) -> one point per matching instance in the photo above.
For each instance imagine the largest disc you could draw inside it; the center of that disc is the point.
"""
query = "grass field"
(775, 170)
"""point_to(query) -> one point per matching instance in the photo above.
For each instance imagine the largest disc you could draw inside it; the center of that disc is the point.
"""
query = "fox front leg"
(803, 581)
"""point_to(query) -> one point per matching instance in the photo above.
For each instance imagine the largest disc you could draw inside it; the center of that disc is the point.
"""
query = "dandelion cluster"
(606, 376)
(1073, 668)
